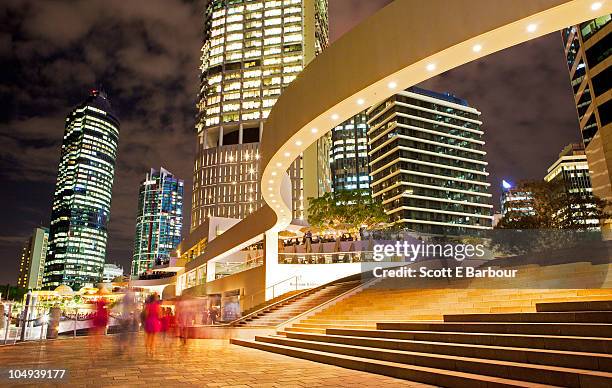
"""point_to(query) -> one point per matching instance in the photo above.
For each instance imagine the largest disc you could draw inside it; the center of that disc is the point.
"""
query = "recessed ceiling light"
(287, 154)
(271, 181)
(273, 173)
(392, 85)
(431, 67)
(476, 48)
(596, 6)
(279, 164)
(298, 143)
(314, 130)
(532, 27)
(360, 101)
(335, 116)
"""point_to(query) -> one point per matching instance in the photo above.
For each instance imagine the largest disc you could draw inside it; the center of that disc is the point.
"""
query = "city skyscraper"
(587, 48)
(349, 154)
(82, 197)
(160, 219)
(252, 50)
(32, 261)
(428, 164)
(516, 202)
(571, 172)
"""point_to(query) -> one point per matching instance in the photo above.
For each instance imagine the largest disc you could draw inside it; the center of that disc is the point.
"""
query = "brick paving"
(201, 363)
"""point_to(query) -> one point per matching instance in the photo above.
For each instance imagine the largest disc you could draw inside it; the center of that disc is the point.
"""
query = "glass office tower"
(349, 154)
(428, 164)
(588, 47)
(82, 197)
(160, 219)
(252, 50)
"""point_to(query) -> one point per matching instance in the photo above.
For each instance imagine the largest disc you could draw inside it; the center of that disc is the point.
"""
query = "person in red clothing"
(100, 321)
(166, 329)
(152, 324)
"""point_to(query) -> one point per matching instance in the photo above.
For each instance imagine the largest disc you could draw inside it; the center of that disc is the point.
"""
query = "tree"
(351, 210)
(555, 207)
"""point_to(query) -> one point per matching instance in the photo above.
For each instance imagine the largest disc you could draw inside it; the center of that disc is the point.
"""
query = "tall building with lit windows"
(32, 261)
(428, 164)
(588, 47)
(571, 173)
(159, 221)
(252, 50)
(349, 154)
(82, 197)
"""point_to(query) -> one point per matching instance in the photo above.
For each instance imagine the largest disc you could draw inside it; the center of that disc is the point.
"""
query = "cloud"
(145, 54)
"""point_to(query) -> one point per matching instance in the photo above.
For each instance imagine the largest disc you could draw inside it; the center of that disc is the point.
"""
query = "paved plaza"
(201, 363)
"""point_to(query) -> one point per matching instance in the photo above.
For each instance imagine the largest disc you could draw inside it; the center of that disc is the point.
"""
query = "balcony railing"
(330, 258)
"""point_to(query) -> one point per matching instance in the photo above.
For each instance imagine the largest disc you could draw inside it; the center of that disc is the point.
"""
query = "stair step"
(550, 317)
(598, 305)
(541, 374)
(579, 344)
(562, 329)
(568, 359)
(433, 376)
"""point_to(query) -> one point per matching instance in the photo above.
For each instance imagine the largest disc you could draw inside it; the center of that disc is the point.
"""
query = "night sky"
(145, 55)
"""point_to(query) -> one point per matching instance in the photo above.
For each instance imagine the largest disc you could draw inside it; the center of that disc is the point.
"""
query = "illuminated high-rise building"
(588, 49)
(349, 154)
(82, 197)
(252, 50)
(160, 219)
(428, 163)
(32, 261)
(570, 174)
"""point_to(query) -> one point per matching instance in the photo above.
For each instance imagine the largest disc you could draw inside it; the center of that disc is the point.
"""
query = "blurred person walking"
(128, 322)
(152, 323)
(98, 329)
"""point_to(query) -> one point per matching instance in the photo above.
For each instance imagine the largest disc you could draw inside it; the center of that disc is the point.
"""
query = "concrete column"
(220, 136)
(272, 268)
(240, 132)
(210, 271)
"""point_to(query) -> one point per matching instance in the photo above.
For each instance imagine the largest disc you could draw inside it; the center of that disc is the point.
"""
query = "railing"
(331, 257)
(228, 269)
(156, 275)
(273, 288)
(28, 324)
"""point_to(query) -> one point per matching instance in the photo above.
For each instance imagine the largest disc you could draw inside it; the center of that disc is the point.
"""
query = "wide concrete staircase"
(389, 300)
(291, 307)
(564, 344)
(468, 333)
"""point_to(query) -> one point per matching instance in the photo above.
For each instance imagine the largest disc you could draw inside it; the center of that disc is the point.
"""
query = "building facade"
(349, 154)
(160, 219)
(32, 261)
(428, 164)
(82, 197)
(587, 49)
(252, 50)
(571, 172)
(111, 272)
(516, 202)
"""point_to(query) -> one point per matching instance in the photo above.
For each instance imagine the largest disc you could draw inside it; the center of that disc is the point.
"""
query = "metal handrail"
(327, 303)
(296, 277)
